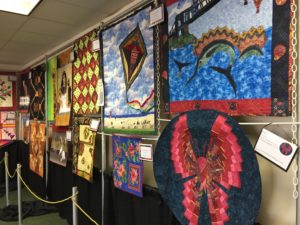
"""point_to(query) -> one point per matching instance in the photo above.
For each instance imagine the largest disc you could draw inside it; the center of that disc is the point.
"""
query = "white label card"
(72, 56)
(94, 124)
(100, 87)
(156, 16)
(146, 152)
(68, 135)
(96, 45)
(276, 149)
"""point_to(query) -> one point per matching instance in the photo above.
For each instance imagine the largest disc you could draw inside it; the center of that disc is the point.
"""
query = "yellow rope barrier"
(85, 213)
(10, 176)
(2, 161)
(43, 200)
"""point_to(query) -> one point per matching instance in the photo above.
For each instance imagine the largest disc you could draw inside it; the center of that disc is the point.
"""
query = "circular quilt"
(206, 170)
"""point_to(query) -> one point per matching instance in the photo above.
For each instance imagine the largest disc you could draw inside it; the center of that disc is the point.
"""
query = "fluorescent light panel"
(23, 7)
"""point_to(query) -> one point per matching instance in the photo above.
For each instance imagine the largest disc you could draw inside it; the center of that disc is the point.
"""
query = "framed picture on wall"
(7, 93)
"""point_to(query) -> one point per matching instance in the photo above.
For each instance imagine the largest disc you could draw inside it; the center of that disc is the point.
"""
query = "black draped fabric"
(60, 185)
(122, 208)
(12, 150)
(90, 198)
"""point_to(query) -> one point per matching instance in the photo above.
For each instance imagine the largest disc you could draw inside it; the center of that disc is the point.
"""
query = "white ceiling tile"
(45, 27)
(113, 6)
(61, 12)
(34, 38)
(7, 34)
(11, 21)
(91, 4)
(21, 46)
(13, 57)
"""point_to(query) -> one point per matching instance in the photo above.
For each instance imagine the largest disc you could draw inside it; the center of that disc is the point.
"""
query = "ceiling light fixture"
(23, 7)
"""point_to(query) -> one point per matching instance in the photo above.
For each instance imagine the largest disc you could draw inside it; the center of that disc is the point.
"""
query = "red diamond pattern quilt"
(85, 75)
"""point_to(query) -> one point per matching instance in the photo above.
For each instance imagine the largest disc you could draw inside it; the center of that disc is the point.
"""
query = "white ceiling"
(23, 39)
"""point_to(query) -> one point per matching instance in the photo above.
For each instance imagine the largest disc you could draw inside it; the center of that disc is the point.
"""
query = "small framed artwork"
(276, 149)
(7, 93)
(94, 124)
(146, 152)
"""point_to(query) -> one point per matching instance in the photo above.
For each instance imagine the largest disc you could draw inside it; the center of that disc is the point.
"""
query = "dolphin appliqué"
(209, 51)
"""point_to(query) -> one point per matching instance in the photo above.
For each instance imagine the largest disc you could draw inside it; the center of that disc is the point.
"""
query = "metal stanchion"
(6, 178)
(19, 194)
(74, 208)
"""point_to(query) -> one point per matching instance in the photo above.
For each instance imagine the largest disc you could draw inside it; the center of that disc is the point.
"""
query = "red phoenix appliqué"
(209, 169)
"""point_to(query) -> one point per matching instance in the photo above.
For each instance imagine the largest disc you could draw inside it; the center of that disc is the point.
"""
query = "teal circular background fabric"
(206, 170)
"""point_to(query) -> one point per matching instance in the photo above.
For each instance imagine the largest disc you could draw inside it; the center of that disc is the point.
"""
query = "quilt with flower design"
(127, 167)
(236, 62)
(85, 75)
(7, 93)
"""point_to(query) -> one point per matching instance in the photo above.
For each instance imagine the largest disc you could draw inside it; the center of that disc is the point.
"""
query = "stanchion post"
(6, 178)
(74, 208)
(19, 194)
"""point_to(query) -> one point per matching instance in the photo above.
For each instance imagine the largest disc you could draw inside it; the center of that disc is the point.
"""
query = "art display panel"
(37, 147)
(229, 62)
(85, 75)
(128, 73)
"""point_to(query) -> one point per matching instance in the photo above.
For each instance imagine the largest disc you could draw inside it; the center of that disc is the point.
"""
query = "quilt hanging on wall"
(83, 148)
(85, 75)
(52, 88)
(236, 62)
(64, 89)
(127, 167)
(59, 146)
(7, 93)
(24, 88)
(8, 125)
(36, 91)
(128, 73)
(37, 147)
